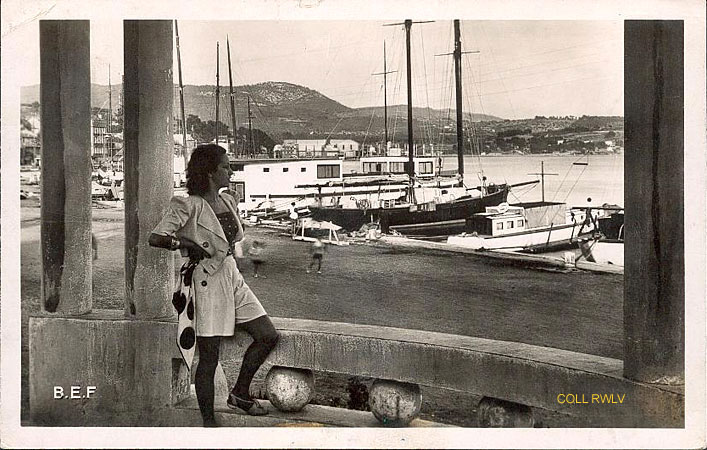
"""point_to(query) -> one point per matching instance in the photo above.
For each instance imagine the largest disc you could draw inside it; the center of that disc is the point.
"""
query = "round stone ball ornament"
(394, 403)
(289, 389)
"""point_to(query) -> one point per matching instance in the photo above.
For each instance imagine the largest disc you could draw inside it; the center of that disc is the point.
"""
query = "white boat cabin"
(497, 221)
(508, 219)
(265, 184)
(272, 182)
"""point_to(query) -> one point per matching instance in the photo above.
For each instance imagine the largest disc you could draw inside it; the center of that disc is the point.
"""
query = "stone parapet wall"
(99, 349)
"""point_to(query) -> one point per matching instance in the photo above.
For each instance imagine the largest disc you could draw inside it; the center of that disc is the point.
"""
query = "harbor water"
(574, 179)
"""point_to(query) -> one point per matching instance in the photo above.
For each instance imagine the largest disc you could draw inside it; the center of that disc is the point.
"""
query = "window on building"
(303, 169)
(266, 169)
(397, 167)
(369, 167)
(425, 167)
(285, 169)
(237, 167)
(519, 222)
(328, 171)
(499, 225)
(510, 224)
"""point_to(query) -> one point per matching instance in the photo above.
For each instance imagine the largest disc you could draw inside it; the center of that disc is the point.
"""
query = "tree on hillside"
(260, 140)
(206, 131)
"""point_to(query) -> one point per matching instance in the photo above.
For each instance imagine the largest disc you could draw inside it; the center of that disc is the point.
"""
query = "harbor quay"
(403, 318)
(376, 285)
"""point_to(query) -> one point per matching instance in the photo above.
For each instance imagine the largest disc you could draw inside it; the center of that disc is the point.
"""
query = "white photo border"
(17, 14)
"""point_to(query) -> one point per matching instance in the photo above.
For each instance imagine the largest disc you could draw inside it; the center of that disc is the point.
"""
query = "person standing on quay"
(256, 256)
(317, 255)
(294, 216)
(205, 226)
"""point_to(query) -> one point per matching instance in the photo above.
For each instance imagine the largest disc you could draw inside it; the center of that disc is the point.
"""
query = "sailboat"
(427, 208)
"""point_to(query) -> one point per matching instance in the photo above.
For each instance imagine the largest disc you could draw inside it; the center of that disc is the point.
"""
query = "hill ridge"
(281, 109)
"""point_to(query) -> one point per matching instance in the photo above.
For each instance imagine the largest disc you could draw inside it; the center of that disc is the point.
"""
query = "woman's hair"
(204, 160)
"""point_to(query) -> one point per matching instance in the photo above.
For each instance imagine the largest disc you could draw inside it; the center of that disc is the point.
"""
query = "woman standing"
(205, 226)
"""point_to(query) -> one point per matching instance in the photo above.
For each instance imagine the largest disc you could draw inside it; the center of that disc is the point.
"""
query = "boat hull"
(604, 251)
(445, 218)
(547, 238)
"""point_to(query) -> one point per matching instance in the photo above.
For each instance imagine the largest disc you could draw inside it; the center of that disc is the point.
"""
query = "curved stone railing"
(512, 376)
(135, 368)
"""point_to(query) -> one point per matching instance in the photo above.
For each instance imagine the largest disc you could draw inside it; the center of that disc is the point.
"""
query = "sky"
(522, 68)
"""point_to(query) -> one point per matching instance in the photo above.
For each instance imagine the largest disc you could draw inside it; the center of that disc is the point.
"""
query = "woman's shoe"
(250, 406)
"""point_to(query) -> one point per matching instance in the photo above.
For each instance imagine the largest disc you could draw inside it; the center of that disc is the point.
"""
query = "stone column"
(149, 161)
(654, 287)
(65, 96)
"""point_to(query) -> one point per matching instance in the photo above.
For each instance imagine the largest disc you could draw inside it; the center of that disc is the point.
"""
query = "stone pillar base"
(97, 366)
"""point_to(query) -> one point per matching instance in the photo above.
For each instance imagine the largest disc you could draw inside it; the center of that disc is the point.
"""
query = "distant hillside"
(285, 110)
(434, 114)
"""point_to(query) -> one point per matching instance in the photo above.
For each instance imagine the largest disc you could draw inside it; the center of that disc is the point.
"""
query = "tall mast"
(385, 95)
(458, 79)
(543, 174)
(230, 91)
(181, 95)
(250, 129)
(110, 117)
(218, 91)
(411, 165)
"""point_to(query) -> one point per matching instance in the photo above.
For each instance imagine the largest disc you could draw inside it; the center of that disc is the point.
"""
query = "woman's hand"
(194, 250)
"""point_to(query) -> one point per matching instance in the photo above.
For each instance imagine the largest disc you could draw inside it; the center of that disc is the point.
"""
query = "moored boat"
(320, 183)
(607, 245)
(444, 211)
(535, 227)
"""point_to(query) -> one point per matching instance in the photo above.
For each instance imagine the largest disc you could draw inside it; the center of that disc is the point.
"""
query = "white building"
(322, 147)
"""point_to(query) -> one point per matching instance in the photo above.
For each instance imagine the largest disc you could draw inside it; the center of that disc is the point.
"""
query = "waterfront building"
(308, 148)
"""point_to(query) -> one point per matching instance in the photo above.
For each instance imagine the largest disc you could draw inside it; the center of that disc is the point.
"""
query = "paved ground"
(380, 285)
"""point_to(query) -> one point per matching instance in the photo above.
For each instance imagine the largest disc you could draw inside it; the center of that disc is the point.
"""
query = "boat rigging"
(385, 97)
(231, 95)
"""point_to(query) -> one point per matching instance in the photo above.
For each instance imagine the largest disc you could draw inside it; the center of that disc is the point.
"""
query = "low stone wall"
(135, 366)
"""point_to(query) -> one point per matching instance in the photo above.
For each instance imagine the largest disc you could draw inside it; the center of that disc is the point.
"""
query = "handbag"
(183, 301)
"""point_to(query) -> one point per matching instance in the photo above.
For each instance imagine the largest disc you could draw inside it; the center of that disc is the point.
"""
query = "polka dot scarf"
(183, 301)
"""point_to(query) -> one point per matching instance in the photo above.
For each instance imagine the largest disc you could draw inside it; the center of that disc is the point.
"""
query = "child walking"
(255, 252)
(317, 255)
